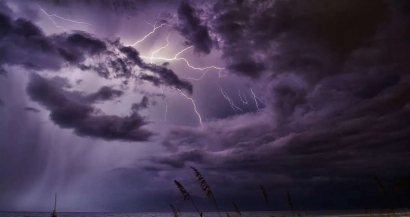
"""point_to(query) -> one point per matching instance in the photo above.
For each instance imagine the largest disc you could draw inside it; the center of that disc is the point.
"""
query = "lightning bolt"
(230, 101)
(58, 26)
(168, 59)
(193, 103)
(155, 27)
(197, 79)
(220, 75)
(154, 57)
(176, 58)
(242, 97)
(161, 48)
(256, 99)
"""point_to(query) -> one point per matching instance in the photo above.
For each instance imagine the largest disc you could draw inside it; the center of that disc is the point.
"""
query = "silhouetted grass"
(237, 209)
(186, 195)
(205, 187)
(174, 210)
(383, 192)
(380, 186)
(265, 198)
(398, 191)
(290, 203)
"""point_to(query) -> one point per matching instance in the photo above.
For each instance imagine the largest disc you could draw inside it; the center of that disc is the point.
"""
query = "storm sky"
(107, 102)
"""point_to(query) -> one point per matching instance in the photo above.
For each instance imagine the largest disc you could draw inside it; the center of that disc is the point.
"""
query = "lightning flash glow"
(154, 57)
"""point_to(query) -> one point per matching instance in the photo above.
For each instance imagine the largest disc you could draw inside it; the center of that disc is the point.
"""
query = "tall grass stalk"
(383, 191)
(205, 187)
(237, 209)
(399, 190)
(290, 203)
(186, 195)
(174, 210)
(265, 198)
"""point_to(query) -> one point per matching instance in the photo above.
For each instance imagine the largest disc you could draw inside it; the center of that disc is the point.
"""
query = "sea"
(209, 214)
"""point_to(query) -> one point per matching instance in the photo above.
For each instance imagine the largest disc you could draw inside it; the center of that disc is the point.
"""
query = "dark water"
(188, 214)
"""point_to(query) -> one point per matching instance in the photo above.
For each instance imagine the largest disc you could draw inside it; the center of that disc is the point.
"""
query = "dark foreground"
(189, 214)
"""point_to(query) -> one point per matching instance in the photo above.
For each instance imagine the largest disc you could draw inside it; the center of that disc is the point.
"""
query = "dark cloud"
(6, 25)
(247, 67)
(141, 105)
(73, 110)
(189, 26)
(170, 78)
(37, 51)
(179, 160)
(3, 72)
(344, 149)
(250, 32)
(105, 93)
(154, 80)
(87, 42)
(336, 108)
(166, 75)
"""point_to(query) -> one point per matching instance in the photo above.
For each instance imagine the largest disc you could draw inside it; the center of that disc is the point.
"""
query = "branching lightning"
(193, 103)
(242, 97)
(58, 26)
(256, 99)
(230, 101)
(220, 75)
(175, 58)
(49, 17)
(155, 27)
(198, 79)
(161, 48)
